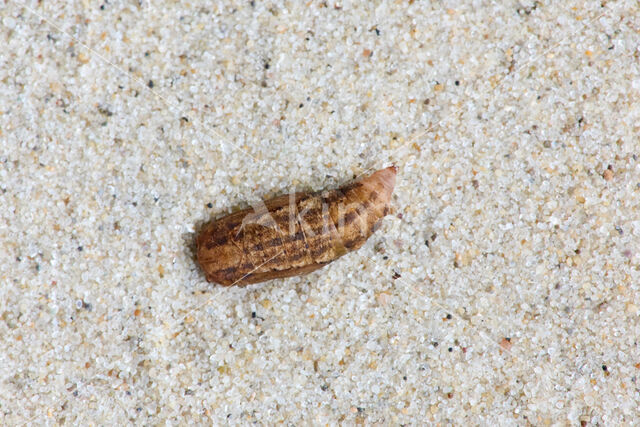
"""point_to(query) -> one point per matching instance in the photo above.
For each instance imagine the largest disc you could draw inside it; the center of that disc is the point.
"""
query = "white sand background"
(125, 125)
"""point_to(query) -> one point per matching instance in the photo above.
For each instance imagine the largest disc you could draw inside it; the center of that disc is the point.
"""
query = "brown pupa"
(294, 234)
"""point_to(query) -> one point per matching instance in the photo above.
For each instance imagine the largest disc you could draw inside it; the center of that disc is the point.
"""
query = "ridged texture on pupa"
(294, 234)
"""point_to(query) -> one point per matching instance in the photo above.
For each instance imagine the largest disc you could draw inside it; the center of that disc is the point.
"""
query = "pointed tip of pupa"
(384, 179)
(387, 176)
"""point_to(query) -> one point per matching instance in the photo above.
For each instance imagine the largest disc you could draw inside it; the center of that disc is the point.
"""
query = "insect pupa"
(294, 234)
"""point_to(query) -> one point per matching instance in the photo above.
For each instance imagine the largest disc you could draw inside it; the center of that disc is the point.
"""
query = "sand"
(504, 289)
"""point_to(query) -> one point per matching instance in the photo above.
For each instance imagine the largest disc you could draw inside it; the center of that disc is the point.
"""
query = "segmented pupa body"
(294, 234)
